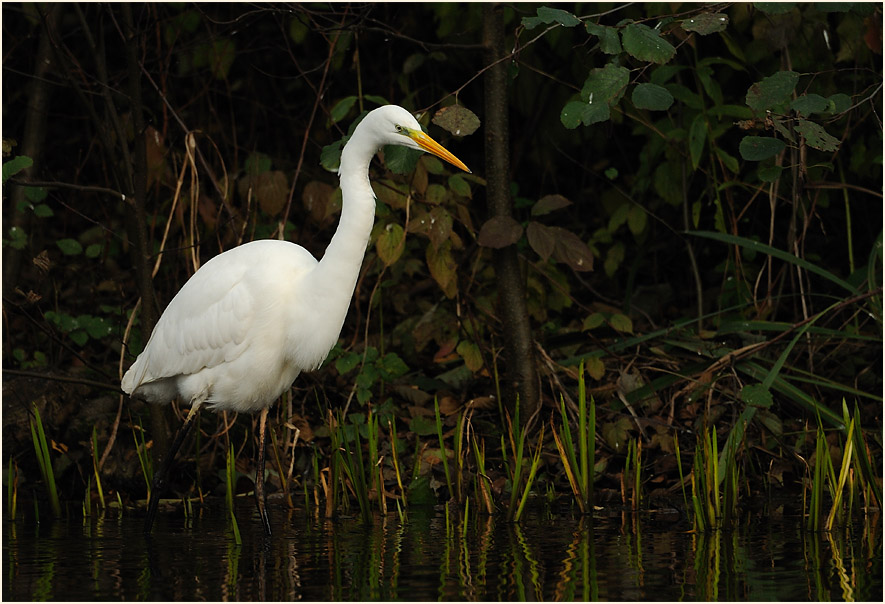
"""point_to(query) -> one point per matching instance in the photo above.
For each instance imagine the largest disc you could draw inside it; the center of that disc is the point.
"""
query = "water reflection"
(434, 555)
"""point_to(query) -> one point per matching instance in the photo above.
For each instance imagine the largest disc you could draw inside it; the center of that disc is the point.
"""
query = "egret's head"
(393, 125)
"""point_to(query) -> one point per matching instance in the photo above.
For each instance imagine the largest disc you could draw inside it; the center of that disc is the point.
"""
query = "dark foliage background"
(266, 89)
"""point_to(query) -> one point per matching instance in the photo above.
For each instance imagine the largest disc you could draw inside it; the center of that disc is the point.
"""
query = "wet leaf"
(440, 227)
(458, 120)
(499, 232)
(547, 15)
(646, 44)
(706, 23)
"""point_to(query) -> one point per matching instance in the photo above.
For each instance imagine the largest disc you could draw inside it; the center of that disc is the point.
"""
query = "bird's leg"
(259, 472)
(159, 482)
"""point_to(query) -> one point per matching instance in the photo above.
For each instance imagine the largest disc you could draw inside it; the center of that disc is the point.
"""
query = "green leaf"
(637, 218)
(570, 116)
(401, 160)
(390, 243)
(770, 173)
(347, 362)
(94, 250)
(18, 239)
(605, 85)
(43, 211)
(609, 42)
(549, 15)
(840, 102)
(330, 156)
(757, 148)
(391, 366)
(810, 103)
(460, 186)
(652, 96)
(595, 367)
(422, 426)
(35, 194)
(593, 321)
(342, 108)
(469, 351)
(442, 268)
(775, 8)
(756, 395)
(69, 247)
(621, 323)
(706, 23)
(729, 160)
(16, 165)
(771, 91)
(816, 136)
(646, 44)
(697, 134)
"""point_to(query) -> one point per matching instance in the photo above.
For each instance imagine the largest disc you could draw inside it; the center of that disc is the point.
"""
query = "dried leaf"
(458, 120)
(499, 232)
(541, 238)
(549, 203)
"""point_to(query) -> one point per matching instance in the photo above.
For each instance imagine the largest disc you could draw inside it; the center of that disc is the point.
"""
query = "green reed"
(41, 448)
(353, 466)
(12, 488)
(144, 457)
(95, 467)
(231, 485)
(483, 482)
(394, 455)
(442, 448)
(579, 458)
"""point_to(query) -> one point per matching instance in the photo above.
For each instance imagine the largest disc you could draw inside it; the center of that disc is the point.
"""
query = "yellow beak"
(431, 146)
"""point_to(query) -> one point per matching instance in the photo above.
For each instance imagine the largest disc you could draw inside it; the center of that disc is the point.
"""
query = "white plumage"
(251, 319)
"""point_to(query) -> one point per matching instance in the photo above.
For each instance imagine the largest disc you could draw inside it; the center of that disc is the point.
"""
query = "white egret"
(251, 319)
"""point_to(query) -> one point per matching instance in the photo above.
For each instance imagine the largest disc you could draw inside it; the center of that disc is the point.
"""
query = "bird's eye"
(398, 128)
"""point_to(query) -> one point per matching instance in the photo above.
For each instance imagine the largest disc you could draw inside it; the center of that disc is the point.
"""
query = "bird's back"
(222, 337)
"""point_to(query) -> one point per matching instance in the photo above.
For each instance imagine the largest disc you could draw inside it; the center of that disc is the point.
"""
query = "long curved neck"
(337, 272)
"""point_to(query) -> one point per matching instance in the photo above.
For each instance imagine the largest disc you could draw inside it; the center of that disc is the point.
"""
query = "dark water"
(429, 558)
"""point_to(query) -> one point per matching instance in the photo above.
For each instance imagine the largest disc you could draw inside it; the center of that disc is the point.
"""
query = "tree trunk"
(520, 380)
